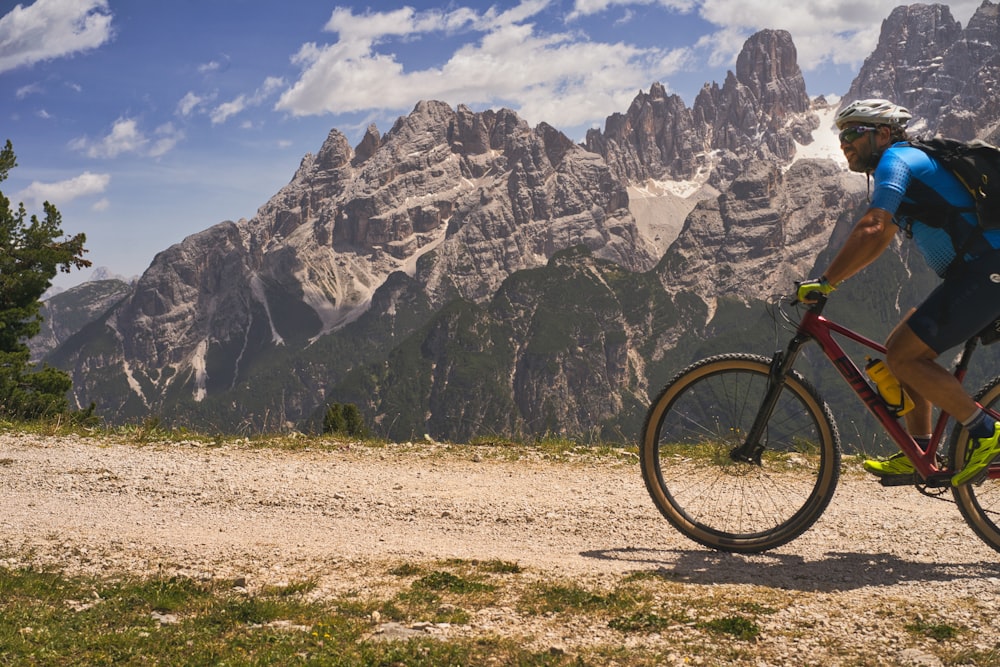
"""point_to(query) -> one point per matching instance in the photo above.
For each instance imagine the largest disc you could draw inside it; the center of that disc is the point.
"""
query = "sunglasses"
(850, 134)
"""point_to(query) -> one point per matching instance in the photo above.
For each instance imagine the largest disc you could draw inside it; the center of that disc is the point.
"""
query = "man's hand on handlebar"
(807, 290)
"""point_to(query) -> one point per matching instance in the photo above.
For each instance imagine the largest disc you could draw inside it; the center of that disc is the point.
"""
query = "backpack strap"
(964, 240)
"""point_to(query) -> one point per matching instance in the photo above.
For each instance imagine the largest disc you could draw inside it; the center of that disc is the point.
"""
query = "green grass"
(51, 618)
(641, 618)
(740, 627)
(152, 431)
(936, 631)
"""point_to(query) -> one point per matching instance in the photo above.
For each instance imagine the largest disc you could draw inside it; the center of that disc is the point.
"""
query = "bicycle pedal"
(898, 480)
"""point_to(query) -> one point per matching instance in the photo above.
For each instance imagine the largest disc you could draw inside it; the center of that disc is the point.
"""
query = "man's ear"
(884, 134)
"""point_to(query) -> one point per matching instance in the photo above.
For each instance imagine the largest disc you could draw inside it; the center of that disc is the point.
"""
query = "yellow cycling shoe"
(897, 464)
(981, 453)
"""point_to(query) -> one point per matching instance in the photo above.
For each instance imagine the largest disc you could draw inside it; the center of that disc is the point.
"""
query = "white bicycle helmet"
(874, 112)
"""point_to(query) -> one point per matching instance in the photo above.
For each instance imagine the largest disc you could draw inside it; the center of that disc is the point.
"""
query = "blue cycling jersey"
(908, 174)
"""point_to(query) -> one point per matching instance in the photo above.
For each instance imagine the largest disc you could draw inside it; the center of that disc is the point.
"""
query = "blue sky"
(147, 121)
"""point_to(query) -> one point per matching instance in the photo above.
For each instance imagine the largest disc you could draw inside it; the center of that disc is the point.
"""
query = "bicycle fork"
(781, 364)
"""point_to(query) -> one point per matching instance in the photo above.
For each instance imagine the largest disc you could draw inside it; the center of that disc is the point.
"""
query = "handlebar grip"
(816, 298)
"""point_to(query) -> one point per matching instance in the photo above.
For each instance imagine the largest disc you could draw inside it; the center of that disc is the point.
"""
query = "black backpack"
(976, 164)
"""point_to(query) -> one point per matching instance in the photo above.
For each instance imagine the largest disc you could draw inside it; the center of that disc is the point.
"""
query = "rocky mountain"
(948, 77)
(465, 274)
(69, 311)
(460, 200)
(759, 113)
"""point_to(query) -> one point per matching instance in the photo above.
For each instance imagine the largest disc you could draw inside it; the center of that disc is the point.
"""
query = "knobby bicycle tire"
(693, 425)
(978, 503)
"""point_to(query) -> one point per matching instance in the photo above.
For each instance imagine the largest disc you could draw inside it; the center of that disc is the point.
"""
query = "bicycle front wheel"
(694, 424)
(978, 503)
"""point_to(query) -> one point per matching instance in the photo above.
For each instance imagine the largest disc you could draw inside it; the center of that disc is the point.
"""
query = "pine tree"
(354, 423)
(333, 421)
(32, 251)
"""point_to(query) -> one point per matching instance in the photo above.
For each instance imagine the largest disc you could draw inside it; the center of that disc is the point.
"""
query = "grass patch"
(642, 621)
(738, 626)
(448, 592)
(446, 581)
(53, 619)
(406, 570)
(152, 431)
(937, 631)
(569, 597)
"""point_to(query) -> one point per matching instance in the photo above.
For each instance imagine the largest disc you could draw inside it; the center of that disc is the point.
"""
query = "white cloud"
(51, 29)
(210, 67)
(167, 138)
(503, 57)
(126, 137)
(588, 7)
(189, 103)
(723, 46)
(227, 110)
(30, 89)
(556, 77)
(841, 32)
(272, 84)
(63, 192)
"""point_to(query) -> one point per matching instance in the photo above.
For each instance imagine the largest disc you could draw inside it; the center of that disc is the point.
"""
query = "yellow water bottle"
(888, 387)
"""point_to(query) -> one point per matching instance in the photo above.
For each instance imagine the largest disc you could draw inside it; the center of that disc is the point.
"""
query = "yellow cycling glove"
(806, 287)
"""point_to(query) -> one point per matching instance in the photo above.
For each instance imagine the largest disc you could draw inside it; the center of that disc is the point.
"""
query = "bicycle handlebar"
(816, 303)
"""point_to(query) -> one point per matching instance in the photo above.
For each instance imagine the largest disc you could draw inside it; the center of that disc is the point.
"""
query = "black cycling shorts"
(963, 305)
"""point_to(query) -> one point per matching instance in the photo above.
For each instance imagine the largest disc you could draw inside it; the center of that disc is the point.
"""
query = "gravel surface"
(340, 515)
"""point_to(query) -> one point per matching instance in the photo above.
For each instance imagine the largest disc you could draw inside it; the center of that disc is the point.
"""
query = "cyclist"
(911, 189)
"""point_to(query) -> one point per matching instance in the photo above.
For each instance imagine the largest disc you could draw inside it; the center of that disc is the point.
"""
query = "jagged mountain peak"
(759, 112)
(948, 77)
(335, 152)
(768, 66)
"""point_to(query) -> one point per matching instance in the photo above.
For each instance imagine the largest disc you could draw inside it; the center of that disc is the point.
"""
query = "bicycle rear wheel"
(694, 424)
(978, 503)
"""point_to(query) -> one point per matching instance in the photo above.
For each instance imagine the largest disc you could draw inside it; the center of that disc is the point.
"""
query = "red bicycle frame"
(815, 327)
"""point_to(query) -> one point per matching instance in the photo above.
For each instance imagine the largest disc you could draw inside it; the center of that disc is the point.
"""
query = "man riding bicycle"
(912, 189)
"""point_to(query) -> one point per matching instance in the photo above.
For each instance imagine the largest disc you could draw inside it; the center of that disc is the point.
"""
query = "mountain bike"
(741, 454)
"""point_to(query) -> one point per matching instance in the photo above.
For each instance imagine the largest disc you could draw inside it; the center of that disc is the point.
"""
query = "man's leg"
(964, 304)
(905, 350)
(918, 420)
(913, 363)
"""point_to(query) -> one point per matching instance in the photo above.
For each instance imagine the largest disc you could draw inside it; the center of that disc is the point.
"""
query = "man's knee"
(904, 347)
